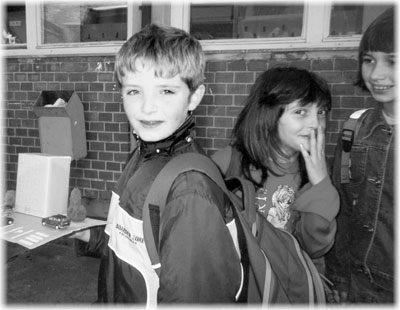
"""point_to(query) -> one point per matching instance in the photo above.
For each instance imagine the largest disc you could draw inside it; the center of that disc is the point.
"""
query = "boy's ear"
(196, 97)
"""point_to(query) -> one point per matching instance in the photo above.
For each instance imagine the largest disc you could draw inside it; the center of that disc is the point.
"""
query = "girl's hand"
(315, 159)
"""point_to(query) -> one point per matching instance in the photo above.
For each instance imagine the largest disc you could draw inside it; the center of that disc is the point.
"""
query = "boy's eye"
(167, 92)
(132, 92)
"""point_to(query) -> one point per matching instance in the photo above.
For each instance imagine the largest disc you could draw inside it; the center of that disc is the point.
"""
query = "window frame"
(177, 14)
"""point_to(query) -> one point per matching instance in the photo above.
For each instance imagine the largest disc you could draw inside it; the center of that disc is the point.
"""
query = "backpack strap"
(159, 190)
(349, 133)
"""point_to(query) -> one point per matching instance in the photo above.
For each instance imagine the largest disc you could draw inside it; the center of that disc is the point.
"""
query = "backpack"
(277, 270)
(349, 133)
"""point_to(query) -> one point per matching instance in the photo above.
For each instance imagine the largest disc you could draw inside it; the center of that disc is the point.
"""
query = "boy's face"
(378, 73)
(156, 107)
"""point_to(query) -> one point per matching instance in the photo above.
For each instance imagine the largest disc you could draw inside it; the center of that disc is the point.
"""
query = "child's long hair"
(170, 51)
(256, 130)
(379, 37)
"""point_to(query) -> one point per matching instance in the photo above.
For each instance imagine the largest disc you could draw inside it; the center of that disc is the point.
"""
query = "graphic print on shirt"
(127, 242)
(276, 209)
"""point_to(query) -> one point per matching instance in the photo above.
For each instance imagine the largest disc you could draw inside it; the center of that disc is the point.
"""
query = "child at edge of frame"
(362, 261)
(160, 71)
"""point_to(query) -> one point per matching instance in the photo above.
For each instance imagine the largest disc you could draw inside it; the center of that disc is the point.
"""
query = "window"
(347, 20)
(245, 21)
(46, 27)
(14, 27)
(71, 22)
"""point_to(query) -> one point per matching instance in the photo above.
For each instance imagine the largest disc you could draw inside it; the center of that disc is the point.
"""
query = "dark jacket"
(364, 243)
(199, 263)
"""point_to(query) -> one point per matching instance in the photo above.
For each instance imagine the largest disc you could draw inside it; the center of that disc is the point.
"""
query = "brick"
(113, 166)
(223, 122)
(106, 156)
(332, 76)
(26, 86)
(74, 67)
(19, 77)
(98, 165)
(216, 89)
(244, 77)
(216, 111)
(105, 136)
(257, 65)
(239, 100)
(346, 64)
(236, 89)
(209, 77)
(342, 89)
(352, 102)
(75, 77)
(204, 121)
(216, 66)
(223, 100)
(223, 77)
(322, 64)
(239, 65)
(216, 132)
(25, 67)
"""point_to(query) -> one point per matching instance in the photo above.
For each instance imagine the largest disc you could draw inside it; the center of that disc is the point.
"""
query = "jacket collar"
(183, 135)
(374, 120)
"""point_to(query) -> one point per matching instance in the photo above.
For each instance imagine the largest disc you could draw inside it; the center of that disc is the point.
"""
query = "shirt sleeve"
(316, 228)
(199, 263)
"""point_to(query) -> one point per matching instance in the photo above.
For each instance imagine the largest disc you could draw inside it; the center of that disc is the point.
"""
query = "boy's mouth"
(150, 123)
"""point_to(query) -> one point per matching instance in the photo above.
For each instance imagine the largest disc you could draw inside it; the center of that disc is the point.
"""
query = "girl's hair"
(256, 130)
(379, 37)
(170, 51)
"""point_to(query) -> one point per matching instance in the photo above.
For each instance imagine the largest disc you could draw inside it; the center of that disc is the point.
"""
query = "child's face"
(156, 107)
(296, 124)
(378, 73)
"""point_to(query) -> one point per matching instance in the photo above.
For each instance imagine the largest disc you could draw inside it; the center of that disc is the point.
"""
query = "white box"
(42, 184)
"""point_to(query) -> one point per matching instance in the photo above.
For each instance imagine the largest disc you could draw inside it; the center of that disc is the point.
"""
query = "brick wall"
(229, 77)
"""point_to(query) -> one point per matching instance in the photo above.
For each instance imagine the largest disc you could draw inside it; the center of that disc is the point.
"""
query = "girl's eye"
(301, 112)
(323, 112)
(367, 59)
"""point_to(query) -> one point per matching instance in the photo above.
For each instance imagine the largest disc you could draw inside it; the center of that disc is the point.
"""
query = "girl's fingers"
(304, 152)
(320, 140)
(313, 143)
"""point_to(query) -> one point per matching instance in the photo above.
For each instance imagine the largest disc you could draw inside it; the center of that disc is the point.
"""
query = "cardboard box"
(42, 184)
(61, 128)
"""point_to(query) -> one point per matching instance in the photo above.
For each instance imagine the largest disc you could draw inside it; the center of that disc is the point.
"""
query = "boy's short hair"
(379, 37)
(170, 51)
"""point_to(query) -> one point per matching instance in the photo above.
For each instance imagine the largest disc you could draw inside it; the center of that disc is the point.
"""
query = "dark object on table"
(56, 221)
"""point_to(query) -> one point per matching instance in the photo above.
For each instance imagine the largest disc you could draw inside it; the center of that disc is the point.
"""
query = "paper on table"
(28, 231)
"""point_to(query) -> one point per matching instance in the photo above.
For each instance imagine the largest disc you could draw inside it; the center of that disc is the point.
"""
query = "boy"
(160, 72)
(361, 263)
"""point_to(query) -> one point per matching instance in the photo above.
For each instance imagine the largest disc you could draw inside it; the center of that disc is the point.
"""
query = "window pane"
(221, 21)
(69, 22)
(348, 20)
(14, 31)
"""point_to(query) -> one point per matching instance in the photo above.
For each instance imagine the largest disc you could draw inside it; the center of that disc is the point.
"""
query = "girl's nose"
(379, 70)
(313, 121)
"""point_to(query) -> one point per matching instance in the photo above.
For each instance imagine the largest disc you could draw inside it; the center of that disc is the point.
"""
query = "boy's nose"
(148, 105)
